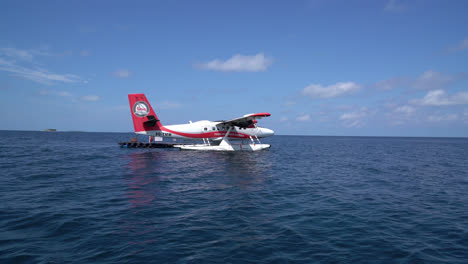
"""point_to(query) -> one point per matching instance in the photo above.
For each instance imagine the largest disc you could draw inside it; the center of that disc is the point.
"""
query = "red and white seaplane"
(216, 135)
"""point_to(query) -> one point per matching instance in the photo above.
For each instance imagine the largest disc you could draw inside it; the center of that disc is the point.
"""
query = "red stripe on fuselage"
(215, 134)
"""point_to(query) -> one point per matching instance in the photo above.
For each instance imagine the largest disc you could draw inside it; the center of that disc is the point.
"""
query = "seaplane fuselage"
(216, 135)
(146, 122)
(209, 130)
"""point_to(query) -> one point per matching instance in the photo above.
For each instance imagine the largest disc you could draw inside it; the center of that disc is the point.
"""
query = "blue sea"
(75, 197)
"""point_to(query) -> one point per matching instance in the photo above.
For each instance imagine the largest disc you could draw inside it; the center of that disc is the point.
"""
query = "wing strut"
(225, 142)
(253, 141)
(206, 141)
(258, 140)
(227, 133)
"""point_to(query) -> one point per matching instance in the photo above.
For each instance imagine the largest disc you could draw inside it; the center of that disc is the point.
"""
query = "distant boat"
(50, 130)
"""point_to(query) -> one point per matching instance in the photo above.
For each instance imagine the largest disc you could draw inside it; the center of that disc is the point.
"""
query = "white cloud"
(64, 93)
(430, 80)
(284, 119)
(303, 118)
(39, 75)
(84, 53)
(441, 98)
(353, 123)
(405, 109)
(21, 64)
(90, 98)
(334, 90)
(122, 73)
(16, 53)
(463, 45)
(23, 55)
(73, 98)
(355, 118)
(58, 93)
(351, 115)
(465, 116)
(442, 118)
(395, 6)
(390, 84)
(239, 63)
(401, 115)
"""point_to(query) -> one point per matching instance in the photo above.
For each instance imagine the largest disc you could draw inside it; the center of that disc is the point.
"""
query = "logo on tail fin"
(140, 109)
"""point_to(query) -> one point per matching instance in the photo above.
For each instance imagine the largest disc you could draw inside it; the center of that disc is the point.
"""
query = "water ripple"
(78, 198)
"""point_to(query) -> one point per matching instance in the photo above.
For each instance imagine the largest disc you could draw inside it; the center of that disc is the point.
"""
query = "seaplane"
(223, 135)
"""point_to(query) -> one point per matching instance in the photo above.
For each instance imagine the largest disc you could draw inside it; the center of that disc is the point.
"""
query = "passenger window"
(213, 128)
(206, 129)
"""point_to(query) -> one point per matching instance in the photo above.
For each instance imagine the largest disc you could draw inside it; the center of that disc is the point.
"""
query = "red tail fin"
(144, 118)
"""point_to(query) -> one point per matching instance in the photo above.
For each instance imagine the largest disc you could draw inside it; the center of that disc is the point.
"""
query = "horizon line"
(130, 132)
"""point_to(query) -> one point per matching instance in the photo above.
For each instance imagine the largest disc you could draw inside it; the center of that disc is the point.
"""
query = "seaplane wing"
(245, 121)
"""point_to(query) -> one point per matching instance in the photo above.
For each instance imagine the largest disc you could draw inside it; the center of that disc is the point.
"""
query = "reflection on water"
(190, 190)
(143, 176)
(246, 170)
(162, 172)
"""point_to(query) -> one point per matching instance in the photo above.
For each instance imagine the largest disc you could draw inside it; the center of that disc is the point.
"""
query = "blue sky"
(364, 68)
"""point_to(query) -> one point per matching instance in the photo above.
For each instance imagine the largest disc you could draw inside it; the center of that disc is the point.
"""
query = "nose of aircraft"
(267, 132)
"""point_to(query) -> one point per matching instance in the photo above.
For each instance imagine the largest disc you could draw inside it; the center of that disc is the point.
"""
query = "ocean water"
(79, 198)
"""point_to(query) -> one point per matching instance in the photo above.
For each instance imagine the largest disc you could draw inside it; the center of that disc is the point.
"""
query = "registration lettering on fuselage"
(163, 134)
